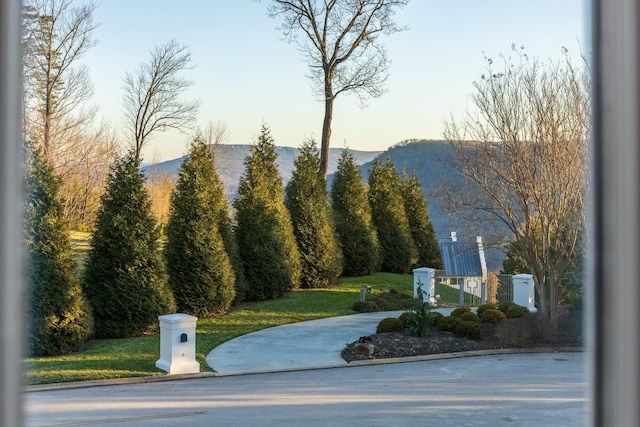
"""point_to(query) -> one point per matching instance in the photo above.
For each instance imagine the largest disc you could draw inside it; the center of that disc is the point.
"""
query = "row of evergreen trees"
(305, 239)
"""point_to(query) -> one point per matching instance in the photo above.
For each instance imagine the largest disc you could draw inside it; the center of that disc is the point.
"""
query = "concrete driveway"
(501, 390)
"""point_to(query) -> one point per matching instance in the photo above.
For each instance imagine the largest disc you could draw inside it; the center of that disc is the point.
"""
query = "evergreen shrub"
(389, 324)
(483, 307)
(492, 316)
(407, 318)
(434, 317)
(125, 278)
(459, 311)
(516, 311)
(448, 323)
(364, 306)
(58, 315)
(469, 317)
(468, 329)
(504, 306)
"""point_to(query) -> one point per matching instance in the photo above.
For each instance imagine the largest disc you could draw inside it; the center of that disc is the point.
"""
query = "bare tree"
(340, 42)
(152, 94)
(83, 168)
(55, 37)
(522, 152)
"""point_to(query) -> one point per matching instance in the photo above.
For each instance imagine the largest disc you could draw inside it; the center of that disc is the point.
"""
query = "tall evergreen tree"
(356, 232)
(422, 233)
(200, 271)
(390, 219)
(125, 279)
(312, 219)
(263, 227)
(59, 317)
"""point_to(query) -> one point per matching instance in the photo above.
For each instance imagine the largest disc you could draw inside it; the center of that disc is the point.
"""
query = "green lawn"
(131, 357)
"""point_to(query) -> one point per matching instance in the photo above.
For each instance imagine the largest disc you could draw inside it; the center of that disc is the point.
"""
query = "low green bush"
(492, 316)
(448, 323)
(391, 301)
(468, 329)
(407, 319)
(389, 324)
(504, 306)
(469, 317)
(433, 317)
(364, 306)
(516, 311)
(484, 307)
(459, 311)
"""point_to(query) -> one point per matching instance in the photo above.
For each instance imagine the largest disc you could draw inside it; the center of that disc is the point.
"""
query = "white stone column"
(178, 344)
(524, 291)
(426, 277)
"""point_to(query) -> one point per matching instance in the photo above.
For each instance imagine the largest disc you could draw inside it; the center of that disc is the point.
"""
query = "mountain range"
(432, 161)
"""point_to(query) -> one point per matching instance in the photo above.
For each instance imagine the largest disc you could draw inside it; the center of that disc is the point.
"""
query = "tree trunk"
(326, 128)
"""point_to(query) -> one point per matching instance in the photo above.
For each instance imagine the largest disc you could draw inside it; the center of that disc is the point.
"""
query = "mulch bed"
(402, 344)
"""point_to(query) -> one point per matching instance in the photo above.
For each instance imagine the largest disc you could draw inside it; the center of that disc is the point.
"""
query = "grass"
(451, 295)
(132, 357)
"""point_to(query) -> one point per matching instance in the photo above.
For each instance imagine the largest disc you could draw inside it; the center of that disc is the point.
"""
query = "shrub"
(407, 318)
(484, 307)
(263, 229)
(492, 316)
(448, 323)
(387, 301)
(459, 311)
(354, 225)
(389, 324)
(364, 306)
(516, 311)
(312, 219)
(58, 314)
(433, 318)
(468, 329)
(200, 270)
(504, 306)
(125, 279)
(389, 217)
(469, 317)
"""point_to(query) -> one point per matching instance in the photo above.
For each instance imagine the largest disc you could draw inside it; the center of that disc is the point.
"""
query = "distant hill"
(433, 162)
(230, 161)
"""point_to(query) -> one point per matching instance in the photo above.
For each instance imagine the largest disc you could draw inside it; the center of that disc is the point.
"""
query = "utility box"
(178, 344)
(524, 291)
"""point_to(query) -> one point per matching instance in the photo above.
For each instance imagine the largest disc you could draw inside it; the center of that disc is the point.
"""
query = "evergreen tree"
(59, 318)
(389, 217)
(356, 233)
(125, 279)
(263, 227)
(312, 219)
(422, 233)
(200, 271)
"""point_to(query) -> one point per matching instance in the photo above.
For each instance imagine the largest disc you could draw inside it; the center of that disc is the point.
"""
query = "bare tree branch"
(152, 94)
(55, 37)
(522, 152)
(341, 46)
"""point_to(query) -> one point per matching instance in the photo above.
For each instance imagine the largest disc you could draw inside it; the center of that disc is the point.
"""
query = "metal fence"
(459, 290)
(504, 291)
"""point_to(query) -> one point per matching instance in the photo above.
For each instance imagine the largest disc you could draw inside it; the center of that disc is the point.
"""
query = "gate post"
(426, 277)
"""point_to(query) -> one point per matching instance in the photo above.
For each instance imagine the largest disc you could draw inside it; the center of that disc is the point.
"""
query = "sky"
(246, 74)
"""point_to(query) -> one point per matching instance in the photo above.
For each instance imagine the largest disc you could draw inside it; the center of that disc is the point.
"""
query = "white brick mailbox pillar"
(524, 291)
(426, 277)
(178, 344)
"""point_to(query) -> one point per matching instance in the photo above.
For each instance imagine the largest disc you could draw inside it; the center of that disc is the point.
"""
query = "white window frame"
(614, 240)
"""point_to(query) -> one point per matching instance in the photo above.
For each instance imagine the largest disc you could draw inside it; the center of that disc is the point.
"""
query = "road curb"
(357, 363)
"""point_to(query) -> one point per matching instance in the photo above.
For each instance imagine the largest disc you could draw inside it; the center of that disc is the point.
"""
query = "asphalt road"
(501, 390)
